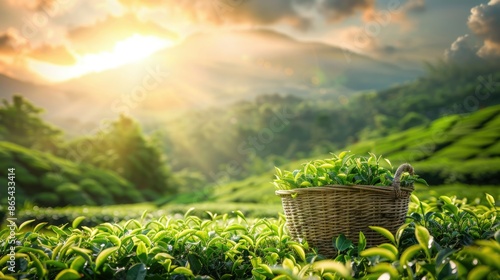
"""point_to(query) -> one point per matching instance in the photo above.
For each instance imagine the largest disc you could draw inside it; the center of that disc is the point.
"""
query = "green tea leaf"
(446, 199)
(479, 272)
(40, 269)
(5, 258)
(342, 243)
(328, 166)
(414, 199)
(142, 252)
(68, 274)
(103, 256)
(189, 212)
(184, 233)
(58, 231)
(377, 251)
(144, 239)
(305, 184)
(423, 238)
(25, 224)
(300, 251)
(240, 214)
(490, 199)
(385, 268)
(332, 266)
(342, 154)
(421, 181)
(167, 264)
(389, 247)
(115, 240)
(39, 226)
(36, 252)
(388, 162)
(384, 232)
(443, 254)
(84, 253)
(162, 256)
(183, 271)
(195, 263)
(361, 242)
(137, 272)
(144, 214)
(57, 264)
(408, 254)
(236, 227)
(6, 277)
(78, 263)
(77, 221)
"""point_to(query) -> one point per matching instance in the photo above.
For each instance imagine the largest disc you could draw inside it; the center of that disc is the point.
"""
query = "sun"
(134, 48)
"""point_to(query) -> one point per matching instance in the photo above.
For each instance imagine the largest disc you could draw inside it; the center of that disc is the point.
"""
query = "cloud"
(296, 13)
(462, 50)
(266, 12)
(104, 34)
(220, 12)
(138, 3)
(44, 4)
(59, 55)
(245, 12)
(484, 22)
(335, 10)
(414, 6)
(356, 39)
(11, 43)
(34, 5)
(15, 49)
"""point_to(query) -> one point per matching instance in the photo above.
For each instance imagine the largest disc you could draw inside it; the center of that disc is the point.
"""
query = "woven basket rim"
(328, 188)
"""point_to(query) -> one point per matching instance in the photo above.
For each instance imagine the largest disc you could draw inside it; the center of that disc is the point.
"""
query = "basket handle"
(397, 178)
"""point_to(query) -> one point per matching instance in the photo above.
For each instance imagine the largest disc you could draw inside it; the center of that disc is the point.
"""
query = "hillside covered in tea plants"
(47, 180)
(456, 154)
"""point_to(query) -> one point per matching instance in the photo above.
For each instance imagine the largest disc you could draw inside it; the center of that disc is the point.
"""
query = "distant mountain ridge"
(209, 70)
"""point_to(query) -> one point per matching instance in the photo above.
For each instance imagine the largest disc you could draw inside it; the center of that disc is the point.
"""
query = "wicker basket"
(319, 214)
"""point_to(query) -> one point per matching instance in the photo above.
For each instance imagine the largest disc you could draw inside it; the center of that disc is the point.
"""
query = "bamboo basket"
(319, 214)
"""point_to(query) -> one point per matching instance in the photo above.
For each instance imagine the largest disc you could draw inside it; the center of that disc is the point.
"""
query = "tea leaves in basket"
(343, 169)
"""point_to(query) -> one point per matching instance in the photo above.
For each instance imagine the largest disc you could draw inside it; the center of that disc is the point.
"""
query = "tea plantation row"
(54, 181)
(444, 239)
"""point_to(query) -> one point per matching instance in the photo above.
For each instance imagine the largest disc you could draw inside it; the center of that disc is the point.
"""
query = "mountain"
(206, 70)
(214, 69)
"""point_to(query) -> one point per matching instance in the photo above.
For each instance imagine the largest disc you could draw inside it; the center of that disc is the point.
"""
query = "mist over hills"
(208, 70)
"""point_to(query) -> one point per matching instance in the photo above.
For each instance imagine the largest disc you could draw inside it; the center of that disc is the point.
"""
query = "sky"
(47, 41)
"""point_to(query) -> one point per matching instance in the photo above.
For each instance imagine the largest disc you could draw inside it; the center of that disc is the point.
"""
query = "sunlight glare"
(132, 49)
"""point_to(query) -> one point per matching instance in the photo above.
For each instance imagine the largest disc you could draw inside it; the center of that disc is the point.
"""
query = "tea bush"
(444, 239)
(116, 213)
(39, 173)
